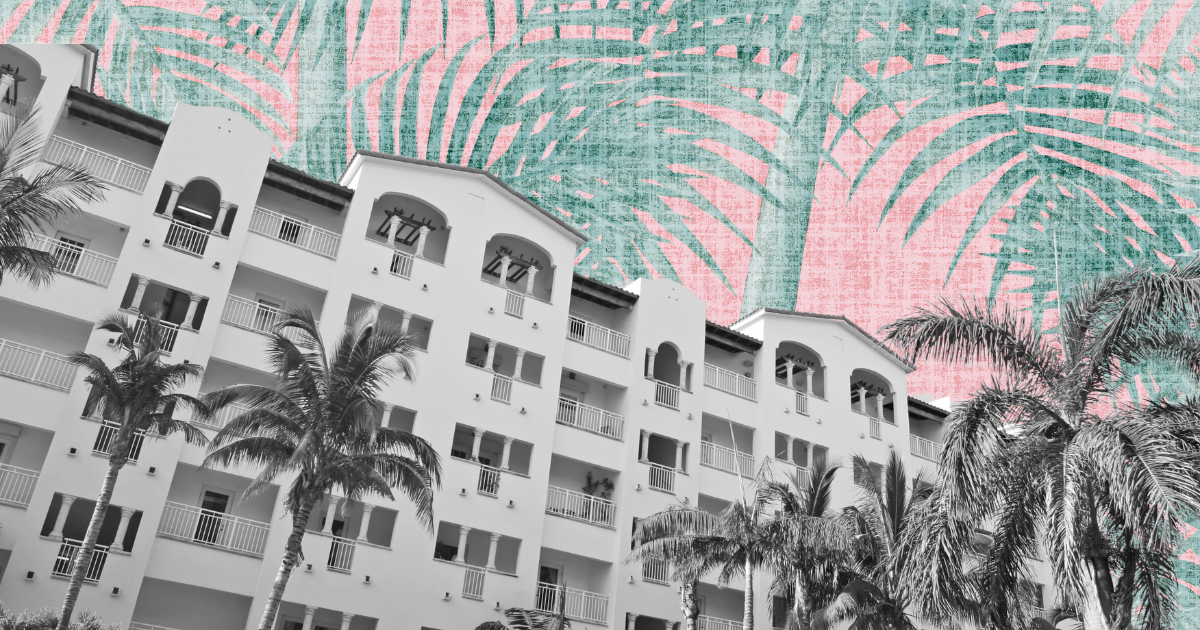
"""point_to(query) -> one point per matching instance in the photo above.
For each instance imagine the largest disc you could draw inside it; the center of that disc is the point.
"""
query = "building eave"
(846, 322)
(729, 340)
(300, 184)
(601, 293)
(934, 412)
(98, 110)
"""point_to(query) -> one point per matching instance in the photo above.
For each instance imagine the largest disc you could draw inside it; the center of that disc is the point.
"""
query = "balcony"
(578, 604)
(108, 435)
(402, 264)
(581, 507)
(876, 428)
(213, 529)
(662, 478)
(925, 449)
(224, 416)
(170, 333)
(489, 481)
(802, 403)
(656, 571)
(35, 365)
(666, 394)
(473, 583)
(704, 622)
(16, 485)
(729, 382)
(514, 304)
(76, 261)
(599, 337)
(104, 166)
(288, 230)
(64, 563)
(341, 555)
(589, 418)
(255, 316)
(186, 238)
(502, 387)
(727, 459)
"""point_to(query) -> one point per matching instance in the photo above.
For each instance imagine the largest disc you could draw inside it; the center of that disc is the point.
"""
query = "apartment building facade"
(563, 408)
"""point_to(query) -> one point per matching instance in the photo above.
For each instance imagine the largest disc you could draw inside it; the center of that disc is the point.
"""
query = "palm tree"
(318, 426)
(137, 397)
(525, 619)
(811, 542)
(1046, 452)
(29, 205)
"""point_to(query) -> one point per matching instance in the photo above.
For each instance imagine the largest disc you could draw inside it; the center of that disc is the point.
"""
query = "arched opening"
(518, 265)
(871, 394)
(412, 226)
(802, 359)
(665, 361)
(20, 81)
(198, 204)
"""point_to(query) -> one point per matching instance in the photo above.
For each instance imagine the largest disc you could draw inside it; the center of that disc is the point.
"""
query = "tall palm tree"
(810, 541)
(29, 205)
(318, 426)
(525, 619)
(1047, 452)
(137, 397)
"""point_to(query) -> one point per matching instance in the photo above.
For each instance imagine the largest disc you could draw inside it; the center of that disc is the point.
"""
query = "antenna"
(1057, 284)
(737, 468)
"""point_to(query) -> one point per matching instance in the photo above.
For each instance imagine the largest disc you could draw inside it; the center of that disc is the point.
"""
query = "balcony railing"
(402, 264)
(109, 168)
(802, 403)
(341, 554)
(727, 459)
(256, 316)
(876, 431)
(729, 382)
(502, 387)
(590, 418)
(35, 365)
(514, 304)
(657, 571)
(303, 235)
(666, 394)
(590, 334)
(64, 563)
(75, 261)
(581, 507)
(473, 583)
(581, 605)
(16, 485)
(704, 622)
(925, 449)
(187, 238)
(489, 480)
(108, 435)
(224, 415)
(213, 529)
(170, 333)
(662, 478)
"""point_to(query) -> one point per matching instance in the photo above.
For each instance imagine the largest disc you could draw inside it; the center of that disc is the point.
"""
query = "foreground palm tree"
(137, 397)
(319, 427)
(1045, 451)
(32, 205)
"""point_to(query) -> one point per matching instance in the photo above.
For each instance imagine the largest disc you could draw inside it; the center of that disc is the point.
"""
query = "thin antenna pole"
(736, 465)
(1057, 283)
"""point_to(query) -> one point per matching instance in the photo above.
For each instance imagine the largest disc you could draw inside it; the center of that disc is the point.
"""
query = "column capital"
(225, 205)
(310, 610)
(334, 500)
(509, 440)
(406, 316)
(479, 432)
(143, 281)
(195, 297)
(679, 442)
(492, 343)
(423, 230)
(175, 188)
(368, 507)
(651, 352)
(495, 537)
(463, 529)
(68, 499)
(809, 371)
(520, 352)
(394, 219)
(506, 259)
(789, 363)
(127, 512)
(346, 617)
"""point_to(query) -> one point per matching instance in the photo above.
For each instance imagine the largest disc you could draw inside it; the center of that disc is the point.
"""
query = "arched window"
(198, 205)
(871, 394)
(413, 226)
(662, 364)
(802, 359)
(518, 265)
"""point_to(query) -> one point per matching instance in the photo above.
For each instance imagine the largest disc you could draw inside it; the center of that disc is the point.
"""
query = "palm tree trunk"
(83, 557)
(688, 603)
(290, 558)
(748, 602)
(800, 606)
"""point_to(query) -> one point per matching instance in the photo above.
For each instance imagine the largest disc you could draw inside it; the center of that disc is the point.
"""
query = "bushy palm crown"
(1045, 450)
(29, 205)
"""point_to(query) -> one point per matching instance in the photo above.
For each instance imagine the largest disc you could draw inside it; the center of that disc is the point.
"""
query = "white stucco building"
(530, 378)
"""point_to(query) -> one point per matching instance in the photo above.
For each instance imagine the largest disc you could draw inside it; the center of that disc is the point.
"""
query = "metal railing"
(581, 507)
(489, 480)
(402, 264)
(925, 449)
(501, 387)
(170, 332)
(727, 459)
(213, 529)
(802, 403)
(101, 165)
(16, 485)
(590, 418)
(514, 304)
(256, 316)
(876, 431)
(303, 235)
(473, 583)
(590, 334)
(35, 365)
(224, 415)
(186, 237)
(579, 604)
(64, 563)
(75, 261)
(341, 554)
(666, 394)
(704, 622)
(729, 382)
(108, 435)
(662, 477)
(657, 571)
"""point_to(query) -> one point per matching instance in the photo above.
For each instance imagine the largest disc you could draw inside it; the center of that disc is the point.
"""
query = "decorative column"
(808, 455)
(385, 419)
(140, 293)
(61, 519)
(491, 565)
(520, 360)
(645, 446)
(393, 228)
(808, 374)
(685, 381)
(879, 404)
(222, 210)
(329, 511)
(475, 445)
(366, 521)
(504, 456)
(529, 280)
(789, 450)
(421, 234)
(650, 352)
(404, 322)
(668, 624)
(173, 201)
(491, 356)
(309, 611)
(191, 312)
(679, 455)
(119, 540)
(630, 621)
(461, 556)
(862, 400)
(790, 367)
(505, 261)
(346, 617)
(373, 311)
